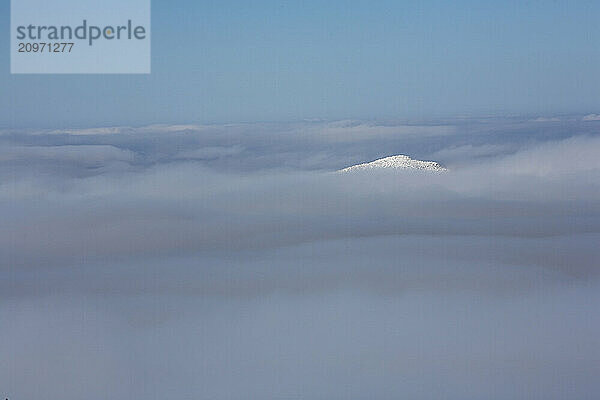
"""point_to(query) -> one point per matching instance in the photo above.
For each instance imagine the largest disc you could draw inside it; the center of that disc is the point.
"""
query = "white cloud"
(574, 155)
(193, 265)
(347, 131)
(592, 117)
(546, 119)
(86, 154)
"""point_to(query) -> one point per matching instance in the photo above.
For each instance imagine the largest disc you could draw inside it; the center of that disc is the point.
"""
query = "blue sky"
(230, 61)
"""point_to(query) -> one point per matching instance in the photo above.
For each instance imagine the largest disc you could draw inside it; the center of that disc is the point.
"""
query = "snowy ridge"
(397, 162)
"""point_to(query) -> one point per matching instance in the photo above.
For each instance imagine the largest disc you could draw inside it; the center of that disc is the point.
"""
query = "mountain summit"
(397, 162)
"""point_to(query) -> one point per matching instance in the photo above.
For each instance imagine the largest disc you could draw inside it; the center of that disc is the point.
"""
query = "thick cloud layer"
(235, 262)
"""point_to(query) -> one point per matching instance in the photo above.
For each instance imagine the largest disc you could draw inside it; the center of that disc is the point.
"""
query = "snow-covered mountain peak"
(397, 162)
